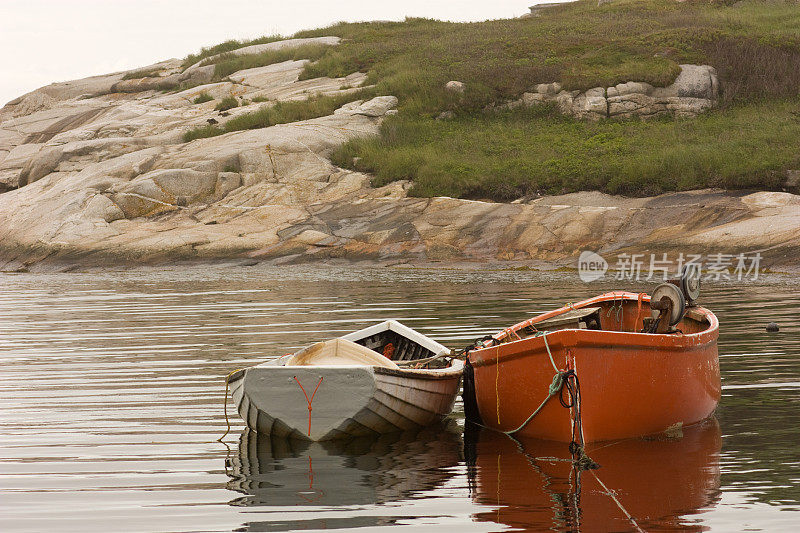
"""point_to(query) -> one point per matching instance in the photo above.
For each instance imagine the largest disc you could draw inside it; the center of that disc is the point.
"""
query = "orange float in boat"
(630, 383)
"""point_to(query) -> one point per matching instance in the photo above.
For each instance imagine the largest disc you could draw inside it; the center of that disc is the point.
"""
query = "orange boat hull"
(632, 384)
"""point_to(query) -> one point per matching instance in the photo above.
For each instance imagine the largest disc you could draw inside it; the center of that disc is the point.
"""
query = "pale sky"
(44, 41)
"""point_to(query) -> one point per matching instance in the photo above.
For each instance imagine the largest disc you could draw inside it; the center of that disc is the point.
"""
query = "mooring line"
(225, 405)
(619, 504)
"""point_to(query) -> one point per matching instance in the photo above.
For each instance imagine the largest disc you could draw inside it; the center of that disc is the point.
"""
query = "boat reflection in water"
(365, 471)
(657, 482)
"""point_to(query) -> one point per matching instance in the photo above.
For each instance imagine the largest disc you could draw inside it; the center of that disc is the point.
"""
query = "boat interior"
(395, 346)
(343, 352)
(338, 352)
(611, 315)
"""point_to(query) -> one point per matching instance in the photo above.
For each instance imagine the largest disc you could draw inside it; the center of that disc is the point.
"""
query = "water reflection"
(112, 403)
(652, 484)
(367, 471)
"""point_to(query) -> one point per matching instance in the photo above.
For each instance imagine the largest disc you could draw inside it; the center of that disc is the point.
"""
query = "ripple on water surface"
(112, 400)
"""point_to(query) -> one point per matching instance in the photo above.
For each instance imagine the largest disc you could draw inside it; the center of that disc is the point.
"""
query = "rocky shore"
(95, 172)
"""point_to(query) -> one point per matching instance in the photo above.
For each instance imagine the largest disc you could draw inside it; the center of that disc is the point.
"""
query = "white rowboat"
(350, 386)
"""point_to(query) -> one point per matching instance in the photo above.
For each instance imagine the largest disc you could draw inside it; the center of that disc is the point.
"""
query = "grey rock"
(694, 81)
(693, 92)
(631, 87)
(110, 180)
(596, 92)
(548, 88)
(632, 103)
(376, 107)
(276, 45)
(697, 81)
(141, 197)
(101, 207)
(454, 86)
(591, 105)
(529, 99)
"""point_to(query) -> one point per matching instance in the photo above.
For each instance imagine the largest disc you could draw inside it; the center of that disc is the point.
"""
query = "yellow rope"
(497, 381)
(225, 405)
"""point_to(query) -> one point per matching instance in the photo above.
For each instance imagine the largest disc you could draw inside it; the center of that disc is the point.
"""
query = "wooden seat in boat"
(339, 352)
(575, 319)
(583, 318)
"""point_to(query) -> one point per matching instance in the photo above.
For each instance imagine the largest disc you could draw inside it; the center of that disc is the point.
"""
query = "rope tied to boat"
(308, 401)
(564, 379)
(225, 405)
(617, 309)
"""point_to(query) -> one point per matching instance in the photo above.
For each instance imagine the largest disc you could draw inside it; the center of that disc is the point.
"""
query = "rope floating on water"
(225, 405)
(611, 495)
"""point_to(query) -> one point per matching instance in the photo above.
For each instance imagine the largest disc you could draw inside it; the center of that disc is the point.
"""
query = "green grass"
(226, 46)
(227, 64)
(538, 151)
(229, 102)
(139, 74)
(748, 142)
(279, 113)
(202, 133)
(579, 44)
(202, 98)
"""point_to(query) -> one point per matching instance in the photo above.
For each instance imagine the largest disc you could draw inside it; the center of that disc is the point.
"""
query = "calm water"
(112, 389)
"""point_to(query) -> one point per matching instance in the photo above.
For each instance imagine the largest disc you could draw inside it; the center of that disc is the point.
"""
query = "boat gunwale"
(449, 372)
(387, 325)
(453, 371)
(573, 337)
(403, 330)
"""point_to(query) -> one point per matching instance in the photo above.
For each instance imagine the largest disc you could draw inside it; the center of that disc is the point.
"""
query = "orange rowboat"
(616, 382)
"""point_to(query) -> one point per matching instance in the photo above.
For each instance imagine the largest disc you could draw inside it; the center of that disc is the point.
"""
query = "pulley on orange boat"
(688, 281)
(667, 306)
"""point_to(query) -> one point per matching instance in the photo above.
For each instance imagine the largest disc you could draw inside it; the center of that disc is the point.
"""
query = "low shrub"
(226, 46)
(280, 113)
(139, 74)
(227, 64)
(202, 98)
(202, 132)
(750, 69)
(229, 102)
(511, 155)
(748, 143)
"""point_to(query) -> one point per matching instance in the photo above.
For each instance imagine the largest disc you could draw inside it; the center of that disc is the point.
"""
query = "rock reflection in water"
(660, 483)
(364, 471)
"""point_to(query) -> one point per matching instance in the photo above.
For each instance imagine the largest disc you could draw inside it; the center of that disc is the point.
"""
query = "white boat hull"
(345, 401)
